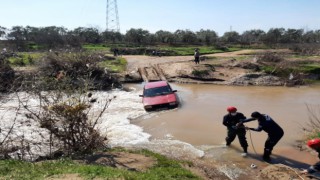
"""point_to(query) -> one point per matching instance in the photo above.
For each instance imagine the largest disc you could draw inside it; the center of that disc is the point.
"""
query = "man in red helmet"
(315, 145)
(231, 120)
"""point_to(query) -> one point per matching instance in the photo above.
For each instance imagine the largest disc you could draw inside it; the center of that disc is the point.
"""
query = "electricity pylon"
(112, 16)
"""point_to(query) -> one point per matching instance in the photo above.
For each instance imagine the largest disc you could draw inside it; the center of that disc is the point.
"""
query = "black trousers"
(271, 142)
(196, 60)
(241, 133)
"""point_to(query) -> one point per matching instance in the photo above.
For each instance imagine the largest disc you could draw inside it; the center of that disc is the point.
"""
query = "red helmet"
(231, 109)
(314, 143)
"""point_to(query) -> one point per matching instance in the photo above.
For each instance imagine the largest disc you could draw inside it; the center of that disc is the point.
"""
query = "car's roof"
(155, 84)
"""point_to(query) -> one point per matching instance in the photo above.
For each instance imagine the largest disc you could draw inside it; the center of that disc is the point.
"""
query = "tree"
(88, 35)
(208, 37)
(2, 31)
(110, 36)
(292, 36)
(72, 39)
(17, 35)
(274, 35)
(309, 37)
(186, 36)
(52, 36)
(252, 36)
(138, 36)
(165, 37)
(231, 37)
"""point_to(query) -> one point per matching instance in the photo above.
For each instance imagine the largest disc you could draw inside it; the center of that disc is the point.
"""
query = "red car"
(157, 95)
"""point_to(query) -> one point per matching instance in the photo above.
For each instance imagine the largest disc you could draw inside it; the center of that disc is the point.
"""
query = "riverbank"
(242, 68)
(117, 123)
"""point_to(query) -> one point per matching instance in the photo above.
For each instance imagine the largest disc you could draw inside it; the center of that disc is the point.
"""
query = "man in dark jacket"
(315, 145)
(266, 123)
(196, 56)
(231, 120)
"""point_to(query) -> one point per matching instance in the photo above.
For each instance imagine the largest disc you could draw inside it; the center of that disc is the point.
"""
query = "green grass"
(177, 51)
(25, 59)
(304, 56)
(117, 65)
(310, 68)
(33, 46)
(96, 47)
(268, 69)
(231, 49)
(164, 169)
(189, 50)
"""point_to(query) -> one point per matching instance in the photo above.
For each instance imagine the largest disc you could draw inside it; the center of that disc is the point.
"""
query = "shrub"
(76, 70)
(200, 73)
(24, 59)
(7, 75)
(68, 118)
(270, 57)
(313, 127)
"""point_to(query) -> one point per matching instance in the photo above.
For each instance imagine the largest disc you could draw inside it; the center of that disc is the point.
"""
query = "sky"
(170, 15)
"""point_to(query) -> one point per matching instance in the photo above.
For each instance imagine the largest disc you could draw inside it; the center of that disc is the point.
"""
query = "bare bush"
(313, 127)
(69, 70)
(306, 49)
(78, 67)
(68, 119)
(6, 74)
(270, 57)
(59, 101)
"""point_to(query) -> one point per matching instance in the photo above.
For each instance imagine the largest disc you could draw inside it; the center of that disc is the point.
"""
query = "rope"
(257, 154)
(252, 142)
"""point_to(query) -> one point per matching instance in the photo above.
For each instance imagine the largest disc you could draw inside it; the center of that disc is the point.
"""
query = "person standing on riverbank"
(231, 120)
(196, 56)
(266, 123)
(315, 145)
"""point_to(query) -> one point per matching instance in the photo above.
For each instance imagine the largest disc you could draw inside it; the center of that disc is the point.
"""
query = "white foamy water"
(114, 123)
(24, 132)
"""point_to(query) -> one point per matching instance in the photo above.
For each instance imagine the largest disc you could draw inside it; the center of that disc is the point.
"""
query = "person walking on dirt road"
(315, 145)
(231, 120)
(196, 56)
(266, 123)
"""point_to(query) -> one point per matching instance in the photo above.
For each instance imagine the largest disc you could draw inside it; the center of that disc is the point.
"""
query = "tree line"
(53, 37)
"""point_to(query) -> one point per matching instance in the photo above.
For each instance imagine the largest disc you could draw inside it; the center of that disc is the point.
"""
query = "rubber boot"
(245, 149)
(266, 155)
(227, 142)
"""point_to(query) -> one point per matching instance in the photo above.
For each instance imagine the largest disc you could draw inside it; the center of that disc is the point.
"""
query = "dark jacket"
(267, 124)
(230, 121)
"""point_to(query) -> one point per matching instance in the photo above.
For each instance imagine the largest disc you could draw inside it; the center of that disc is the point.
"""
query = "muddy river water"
(198, 120)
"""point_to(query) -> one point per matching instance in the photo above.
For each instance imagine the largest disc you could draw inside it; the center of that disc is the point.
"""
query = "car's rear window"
(157, 91)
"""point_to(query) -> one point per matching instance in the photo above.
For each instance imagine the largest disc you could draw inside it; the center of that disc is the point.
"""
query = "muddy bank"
(242, 68)
(206, 73)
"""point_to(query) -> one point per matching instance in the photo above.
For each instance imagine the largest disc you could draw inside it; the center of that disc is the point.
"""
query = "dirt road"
(224, 69)
(136, 61)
